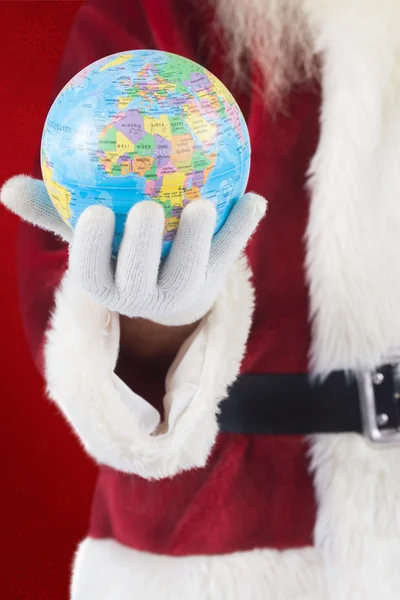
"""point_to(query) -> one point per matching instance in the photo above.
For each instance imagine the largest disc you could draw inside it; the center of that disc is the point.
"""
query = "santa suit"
(193, 512)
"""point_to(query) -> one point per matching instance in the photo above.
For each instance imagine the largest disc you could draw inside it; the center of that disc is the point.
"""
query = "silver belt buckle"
(373, 421)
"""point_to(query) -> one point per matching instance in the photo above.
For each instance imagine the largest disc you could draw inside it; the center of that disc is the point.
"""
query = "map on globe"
(144, 125)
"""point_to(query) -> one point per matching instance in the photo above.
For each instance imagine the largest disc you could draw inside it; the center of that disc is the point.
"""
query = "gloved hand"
(176, 291)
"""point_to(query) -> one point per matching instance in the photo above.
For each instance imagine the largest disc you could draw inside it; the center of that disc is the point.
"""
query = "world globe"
(144, 125)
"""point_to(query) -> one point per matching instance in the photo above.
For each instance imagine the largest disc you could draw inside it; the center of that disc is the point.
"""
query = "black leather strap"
(290, 404)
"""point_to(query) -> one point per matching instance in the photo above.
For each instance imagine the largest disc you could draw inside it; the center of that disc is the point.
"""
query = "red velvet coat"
(256, 492)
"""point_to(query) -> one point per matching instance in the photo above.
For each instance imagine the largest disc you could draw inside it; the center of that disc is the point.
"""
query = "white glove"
(176, 291)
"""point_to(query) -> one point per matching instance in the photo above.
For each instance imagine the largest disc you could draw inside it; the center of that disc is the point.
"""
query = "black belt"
(291, 404)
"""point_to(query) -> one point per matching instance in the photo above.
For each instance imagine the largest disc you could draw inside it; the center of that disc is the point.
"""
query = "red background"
(46, 480)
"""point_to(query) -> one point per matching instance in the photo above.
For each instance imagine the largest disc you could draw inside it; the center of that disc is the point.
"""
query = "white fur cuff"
(106, 570)
(118, 427)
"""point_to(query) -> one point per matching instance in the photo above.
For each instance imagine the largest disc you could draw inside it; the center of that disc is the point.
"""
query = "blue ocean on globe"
(144, 125)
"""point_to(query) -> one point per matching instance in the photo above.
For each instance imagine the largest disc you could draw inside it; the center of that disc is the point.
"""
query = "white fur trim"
(106, 570)
(116, 426)
(357, 531)
(354, 226)
(353, 251)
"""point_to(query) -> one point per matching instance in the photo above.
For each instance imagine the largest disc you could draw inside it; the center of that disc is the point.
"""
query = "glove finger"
(234, 235)
(140, 252)
(186, 264)
(91, 250)
(28, 198)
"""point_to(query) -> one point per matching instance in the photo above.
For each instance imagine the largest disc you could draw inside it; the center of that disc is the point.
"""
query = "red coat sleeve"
(103, 27)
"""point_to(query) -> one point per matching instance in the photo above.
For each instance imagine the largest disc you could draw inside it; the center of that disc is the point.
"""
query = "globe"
(144, 125)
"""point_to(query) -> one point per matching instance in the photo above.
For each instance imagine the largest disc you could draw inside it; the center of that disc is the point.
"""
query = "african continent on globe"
(144, 125)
